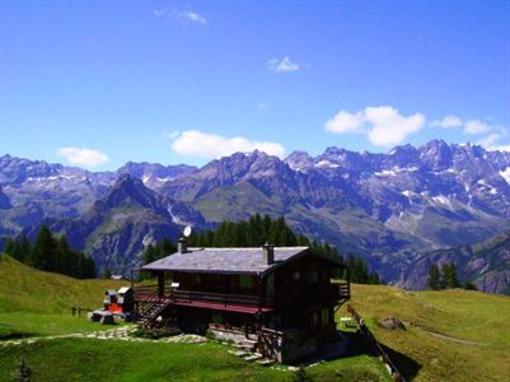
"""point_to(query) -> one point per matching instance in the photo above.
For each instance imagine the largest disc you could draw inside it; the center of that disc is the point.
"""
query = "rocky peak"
(128, 191)
(436, 154)
(16, 170)
(337, 157)
(144, 170)
(300, 161)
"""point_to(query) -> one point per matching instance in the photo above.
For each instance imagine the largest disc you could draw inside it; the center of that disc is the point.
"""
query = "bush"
(209, 334)
(470, 286)
(156, 333)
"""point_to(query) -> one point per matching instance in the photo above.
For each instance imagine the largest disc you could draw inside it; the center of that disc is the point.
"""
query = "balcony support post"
(161, 284)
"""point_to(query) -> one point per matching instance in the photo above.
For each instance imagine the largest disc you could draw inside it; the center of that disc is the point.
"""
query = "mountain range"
(390, 208)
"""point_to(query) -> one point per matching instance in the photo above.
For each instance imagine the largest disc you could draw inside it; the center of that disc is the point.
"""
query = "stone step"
(245, 346)
(241, 353)
(265, 361)
(254, 357)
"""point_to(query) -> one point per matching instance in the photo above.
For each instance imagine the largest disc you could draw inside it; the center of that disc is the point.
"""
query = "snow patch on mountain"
(441, 199)
(385, 173)
(326, 164)
(395, 171)
(491, 189)
(506, 174)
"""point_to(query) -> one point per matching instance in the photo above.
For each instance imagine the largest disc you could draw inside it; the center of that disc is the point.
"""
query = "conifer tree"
(52, 254)
(434, 279)
(450, 276)
(257, 230)
(470, 286)
(44, 251)
(165, 248)
(149, 254)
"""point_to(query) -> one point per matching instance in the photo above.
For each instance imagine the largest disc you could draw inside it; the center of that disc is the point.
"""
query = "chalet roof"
(225, 260)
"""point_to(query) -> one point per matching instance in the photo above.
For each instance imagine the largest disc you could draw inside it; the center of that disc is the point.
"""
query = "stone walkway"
(118, 334)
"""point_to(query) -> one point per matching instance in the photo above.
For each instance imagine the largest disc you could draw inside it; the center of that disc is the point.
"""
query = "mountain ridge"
(485, 264)
(389, 207)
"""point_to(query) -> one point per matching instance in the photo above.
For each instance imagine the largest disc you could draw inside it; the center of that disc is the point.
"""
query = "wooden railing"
(344, 290)
(149, 292)
(330, 292)
(222, 298)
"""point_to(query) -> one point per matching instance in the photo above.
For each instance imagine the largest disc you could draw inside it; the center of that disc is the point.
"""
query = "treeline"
(249, 233)
(50, 253)
(161, 249)
(261, 229)
(446, 278)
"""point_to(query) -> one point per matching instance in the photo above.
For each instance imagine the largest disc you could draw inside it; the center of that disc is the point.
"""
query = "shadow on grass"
(14, 336)
(360, 345)
(8, 333)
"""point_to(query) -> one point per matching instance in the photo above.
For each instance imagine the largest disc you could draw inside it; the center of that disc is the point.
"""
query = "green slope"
(35, 303)
(29, 290)
(453, 335)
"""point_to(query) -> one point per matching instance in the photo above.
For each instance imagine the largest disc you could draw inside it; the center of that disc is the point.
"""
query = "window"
(270, 285)
(296, 275)
(315, 319)
(246, 281)
(325, 317)
(313, 276)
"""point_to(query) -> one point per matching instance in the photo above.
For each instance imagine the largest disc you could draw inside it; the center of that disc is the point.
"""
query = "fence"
(397, 376)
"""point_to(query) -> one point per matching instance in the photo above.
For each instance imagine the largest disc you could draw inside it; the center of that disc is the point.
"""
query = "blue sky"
(96, 83)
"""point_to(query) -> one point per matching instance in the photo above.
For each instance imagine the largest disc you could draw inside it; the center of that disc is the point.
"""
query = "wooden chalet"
(279, 301)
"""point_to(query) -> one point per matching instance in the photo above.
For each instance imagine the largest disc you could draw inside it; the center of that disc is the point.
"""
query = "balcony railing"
(150, 292)
(221, 298)
(318, 293)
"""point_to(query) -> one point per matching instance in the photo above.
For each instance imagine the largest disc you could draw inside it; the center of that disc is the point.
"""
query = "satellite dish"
(187, 231)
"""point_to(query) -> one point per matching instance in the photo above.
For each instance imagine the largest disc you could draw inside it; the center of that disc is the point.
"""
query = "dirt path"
(120, 334)
(450, 338)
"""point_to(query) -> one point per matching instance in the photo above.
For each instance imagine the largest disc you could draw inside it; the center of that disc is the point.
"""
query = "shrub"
(156, 333)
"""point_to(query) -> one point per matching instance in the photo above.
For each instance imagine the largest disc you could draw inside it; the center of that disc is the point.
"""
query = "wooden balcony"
(221, 298)
(330, 293)
(241, 303)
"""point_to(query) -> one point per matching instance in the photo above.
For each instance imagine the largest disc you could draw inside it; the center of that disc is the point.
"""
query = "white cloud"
(283, 65)
(83, 157)
(345, 122)
(193, 17)
(159, 12)
(447, 122)
(490, 140)
(472, 126)
(188, 16)
(505, 148)
(383, 125)
(210, 146)
(476, 127)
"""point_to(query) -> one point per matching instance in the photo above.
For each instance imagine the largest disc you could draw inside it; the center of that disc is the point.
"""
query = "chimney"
(268, 253)
(182, 246)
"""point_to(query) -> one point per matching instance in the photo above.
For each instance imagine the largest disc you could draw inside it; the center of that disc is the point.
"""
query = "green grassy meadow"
(36, 303)
(452, 335)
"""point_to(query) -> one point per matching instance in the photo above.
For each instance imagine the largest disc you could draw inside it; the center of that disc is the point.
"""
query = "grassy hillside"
(453, 335)
(127, 361)
(33, 302)
(26, 289)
